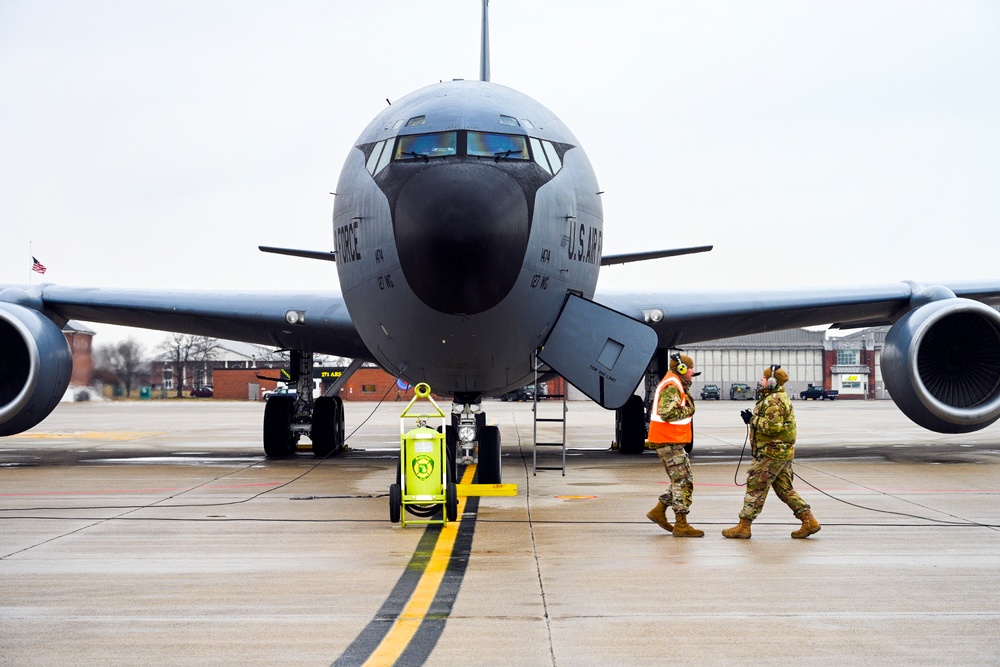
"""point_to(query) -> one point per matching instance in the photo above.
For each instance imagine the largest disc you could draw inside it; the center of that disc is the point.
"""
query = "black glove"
(747, 416)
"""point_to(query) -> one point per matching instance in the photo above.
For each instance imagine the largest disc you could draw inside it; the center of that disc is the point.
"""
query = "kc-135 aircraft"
(468, 235)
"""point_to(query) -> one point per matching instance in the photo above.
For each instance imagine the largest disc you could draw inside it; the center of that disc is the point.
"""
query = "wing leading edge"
(688, 317)
(940, 360)
(320, 322)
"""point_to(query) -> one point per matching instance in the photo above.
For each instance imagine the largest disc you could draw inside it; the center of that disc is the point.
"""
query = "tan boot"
(658, 515)
(682, 529)
(739, 532)
(809, 525)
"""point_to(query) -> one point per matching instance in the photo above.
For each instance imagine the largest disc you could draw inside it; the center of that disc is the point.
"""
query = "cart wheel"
(451, 445)
(395, 502)
(451, 502)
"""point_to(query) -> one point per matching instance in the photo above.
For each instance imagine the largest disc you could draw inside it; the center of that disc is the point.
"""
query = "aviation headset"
(681, 366)
(772, 381)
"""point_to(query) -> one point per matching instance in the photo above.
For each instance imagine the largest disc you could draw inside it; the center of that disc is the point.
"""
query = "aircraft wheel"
(395, 503)
(489, 455)
(451, 502)
(324, 427)
(630, 426)
(339, 436)
(278, 441)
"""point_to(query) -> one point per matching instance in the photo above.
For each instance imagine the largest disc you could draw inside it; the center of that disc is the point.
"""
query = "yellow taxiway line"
(398, 638)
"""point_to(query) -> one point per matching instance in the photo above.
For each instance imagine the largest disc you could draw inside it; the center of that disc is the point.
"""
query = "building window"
(850, 381)
(847, 357)
(368, 389)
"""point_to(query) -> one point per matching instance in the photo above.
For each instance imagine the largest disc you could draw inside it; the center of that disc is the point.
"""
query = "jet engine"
(941, 365)
(35, 367)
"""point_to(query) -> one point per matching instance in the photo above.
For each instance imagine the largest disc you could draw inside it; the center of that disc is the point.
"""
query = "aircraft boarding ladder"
(557, 420)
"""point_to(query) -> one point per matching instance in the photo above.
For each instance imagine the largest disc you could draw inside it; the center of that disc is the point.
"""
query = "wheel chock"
(486, 489)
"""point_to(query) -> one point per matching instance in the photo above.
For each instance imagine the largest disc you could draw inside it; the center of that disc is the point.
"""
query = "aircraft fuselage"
(466, 212)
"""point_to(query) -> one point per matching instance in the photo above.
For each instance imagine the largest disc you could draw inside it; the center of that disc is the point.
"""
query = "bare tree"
(123, 361)
(183, 350)
(268, 355)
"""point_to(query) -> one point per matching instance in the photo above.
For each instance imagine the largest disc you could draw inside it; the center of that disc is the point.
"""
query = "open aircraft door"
(601, 352)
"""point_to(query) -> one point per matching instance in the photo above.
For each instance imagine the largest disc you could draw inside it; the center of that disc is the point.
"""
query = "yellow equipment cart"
(423, 485)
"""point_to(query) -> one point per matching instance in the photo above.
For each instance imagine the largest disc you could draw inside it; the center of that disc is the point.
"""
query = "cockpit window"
(553, 156)
(384, 159)
(373, 158)
(539, 154)
(416, 120)
(508, 120)
(498, 146)
(426, 146)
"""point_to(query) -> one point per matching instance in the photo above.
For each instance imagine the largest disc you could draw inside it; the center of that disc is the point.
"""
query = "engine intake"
(941, 365)
(35, 367)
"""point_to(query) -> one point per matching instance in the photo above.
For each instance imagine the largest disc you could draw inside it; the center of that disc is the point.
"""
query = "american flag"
(37, 266)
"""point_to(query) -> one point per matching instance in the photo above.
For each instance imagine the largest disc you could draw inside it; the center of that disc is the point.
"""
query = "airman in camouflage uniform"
(675, 404)
(772, 428)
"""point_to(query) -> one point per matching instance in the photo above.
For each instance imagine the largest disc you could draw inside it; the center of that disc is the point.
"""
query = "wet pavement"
(157, 533)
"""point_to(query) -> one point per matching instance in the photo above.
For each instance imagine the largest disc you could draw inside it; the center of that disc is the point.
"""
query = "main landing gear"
(630, 426)
(288, 417)
(631, 421)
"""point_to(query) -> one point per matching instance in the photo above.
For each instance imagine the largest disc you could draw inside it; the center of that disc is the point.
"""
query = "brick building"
(201, 373)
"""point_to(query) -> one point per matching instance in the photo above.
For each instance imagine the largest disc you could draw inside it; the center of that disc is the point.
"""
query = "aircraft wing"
(322, 324)
(681, 317)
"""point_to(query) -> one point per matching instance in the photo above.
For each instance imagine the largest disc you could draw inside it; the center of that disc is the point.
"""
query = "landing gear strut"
(468, 421)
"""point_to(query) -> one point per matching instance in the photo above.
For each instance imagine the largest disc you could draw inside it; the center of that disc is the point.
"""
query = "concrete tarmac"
(149, 533)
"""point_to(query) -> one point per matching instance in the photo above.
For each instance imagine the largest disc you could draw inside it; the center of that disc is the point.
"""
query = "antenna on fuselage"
(484, 54)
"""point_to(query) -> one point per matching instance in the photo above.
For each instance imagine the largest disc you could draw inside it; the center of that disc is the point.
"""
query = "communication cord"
(212, 481)
(955, 522)
(740, 462)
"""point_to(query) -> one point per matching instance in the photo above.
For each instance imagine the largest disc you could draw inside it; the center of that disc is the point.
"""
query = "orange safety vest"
(674, 433)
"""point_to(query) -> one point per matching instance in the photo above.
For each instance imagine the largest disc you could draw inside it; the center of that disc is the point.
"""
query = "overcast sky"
(156, 144)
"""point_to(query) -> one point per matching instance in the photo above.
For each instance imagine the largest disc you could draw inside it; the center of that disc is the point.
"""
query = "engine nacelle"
(35, 367)
(941, 365)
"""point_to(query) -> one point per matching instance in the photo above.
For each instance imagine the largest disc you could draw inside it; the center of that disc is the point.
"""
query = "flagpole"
(32, 256)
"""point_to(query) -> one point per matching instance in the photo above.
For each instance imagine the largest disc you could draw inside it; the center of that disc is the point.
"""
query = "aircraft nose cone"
(461, 231)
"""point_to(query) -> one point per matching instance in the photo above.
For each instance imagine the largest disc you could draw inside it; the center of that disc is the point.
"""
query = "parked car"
(818, 393)
(280, 391)
(202, 392)
(741, 392)
(711, 392)
(525, 393)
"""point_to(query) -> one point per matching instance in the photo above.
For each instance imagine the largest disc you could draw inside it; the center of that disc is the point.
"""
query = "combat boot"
(683, 529)
(809, 525)
(739, 532)
(658, 515)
